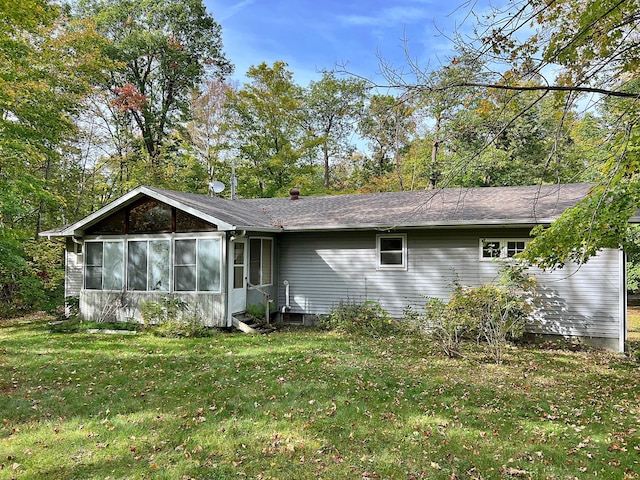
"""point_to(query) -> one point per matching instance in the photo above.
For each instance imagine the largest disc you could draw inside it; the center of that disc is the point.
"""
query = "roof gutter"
(530, 223)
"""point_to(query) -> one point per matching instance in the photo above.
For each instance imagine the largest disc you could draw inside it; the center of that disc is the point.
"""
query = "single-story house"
(302, 255)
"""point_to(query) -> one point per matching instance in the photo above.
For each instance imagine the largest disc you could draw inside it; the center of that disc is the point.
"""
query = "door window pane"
(238, 265)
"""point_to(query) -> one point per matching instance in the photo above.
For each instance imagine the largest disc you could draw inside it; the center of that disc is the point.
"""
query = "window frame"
(261, 283)
(403, 253)
(85, 264)
(148, 241)
(502, 249)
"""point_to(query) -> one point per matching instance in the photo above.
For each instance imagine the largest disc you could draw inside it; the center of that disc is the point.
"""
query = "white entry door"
(238, 275)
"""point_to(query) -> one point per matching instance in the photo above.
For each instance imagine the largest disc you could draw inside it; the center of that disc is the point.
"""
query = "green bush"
(368, 318)
(447, 326)
(257, 311)
(493, 314)
(171, 317)
(185, 327)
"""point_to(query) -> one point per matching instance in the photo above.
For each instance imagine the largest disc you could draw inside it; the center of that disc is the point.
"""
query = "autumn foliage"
(128, 98)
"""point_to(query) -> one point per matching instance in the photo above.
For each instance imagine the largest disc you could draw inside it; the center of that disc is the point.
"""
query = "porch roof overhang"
(77, 229)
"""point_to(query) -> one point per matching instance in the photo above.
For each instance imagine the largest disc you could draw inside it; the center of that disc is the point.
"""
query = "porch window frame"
(123, 261)
(148, 240)
(124, 240)
(380, 265)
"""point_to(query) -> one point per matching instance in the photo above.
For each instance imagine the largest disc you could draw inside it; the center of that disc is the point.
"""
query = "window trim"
(404, 252)
(503, 241)
(261, 269)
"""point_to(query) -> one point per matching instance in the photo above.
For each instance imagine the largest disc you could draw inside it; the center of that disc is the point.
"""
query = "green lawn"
(306, 404)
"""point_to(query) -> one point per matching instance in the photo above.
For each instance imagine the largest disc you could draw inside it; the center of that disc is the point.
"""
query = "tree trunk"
(434, 175)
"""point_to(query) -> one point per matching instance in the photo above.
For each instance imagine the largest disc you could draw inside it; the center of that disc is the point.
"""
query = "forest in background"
(99, 97)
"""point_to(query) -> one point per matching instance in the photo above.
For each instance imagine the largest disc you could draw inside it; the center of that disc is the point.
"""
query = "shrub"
(499, 315)
(368, 318)
(447, 326)
(171, 317)
(493, 314)
(257, 311)
(186, 327)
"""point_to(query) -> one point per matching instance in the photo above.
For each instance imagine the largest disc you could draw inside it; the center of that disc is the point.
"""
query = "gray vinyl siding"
(324, 268)
(73, 270)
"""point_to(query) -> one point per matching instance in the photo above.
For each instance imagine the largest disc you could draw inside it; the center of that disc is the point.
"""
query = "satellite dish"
(216, 187)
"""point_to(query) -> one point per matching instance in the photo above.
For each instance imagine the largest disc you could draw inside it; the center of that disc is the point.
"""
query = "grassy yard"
(306, 404)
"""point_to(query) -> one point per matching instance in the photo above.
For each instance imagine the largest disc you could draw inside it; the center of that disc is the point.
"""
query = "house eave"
(475, 224)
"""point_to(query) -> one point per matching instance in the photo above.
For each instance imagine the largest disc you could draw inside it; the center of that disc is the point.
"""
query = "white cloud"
(387, 17)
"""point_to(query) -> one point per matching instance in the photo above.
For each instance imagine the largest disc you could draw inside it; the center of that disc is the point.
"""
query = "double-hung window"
(501, 248)
(261, 261)
(391, 252)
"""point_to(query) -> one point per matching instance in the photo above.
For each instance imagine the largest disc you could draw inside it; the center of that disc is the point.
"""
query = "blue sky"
(311, 35)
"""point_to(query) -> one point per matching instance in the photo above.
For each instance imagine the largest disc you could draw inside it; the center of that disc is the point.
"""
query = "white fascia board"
(74, 230)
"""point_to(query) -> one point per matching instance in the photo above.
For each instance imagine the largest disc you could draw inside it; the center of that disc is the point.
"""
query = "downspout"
(287, 304)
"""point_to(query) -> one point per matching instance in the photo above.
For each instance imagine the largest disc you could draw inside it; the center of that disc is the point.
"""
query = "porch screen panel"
(159, 265)
(209, 265)
(137, 266)
(185, 265)
(93, 268)
(238, 265)
(113, 266)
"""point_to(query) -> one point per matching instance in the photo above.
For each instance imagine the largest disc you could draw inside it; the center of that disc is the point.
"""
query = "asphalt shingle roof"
(452, 206)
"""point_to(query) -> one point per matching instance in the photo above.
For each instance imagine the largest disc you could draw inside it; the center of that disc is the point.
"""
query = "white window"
(261, 261)
(491, 248)
(391, 252)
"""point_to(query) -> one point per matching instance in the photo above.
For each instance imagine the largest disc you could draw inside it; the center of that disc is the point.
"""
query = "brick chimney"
(294, 194)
